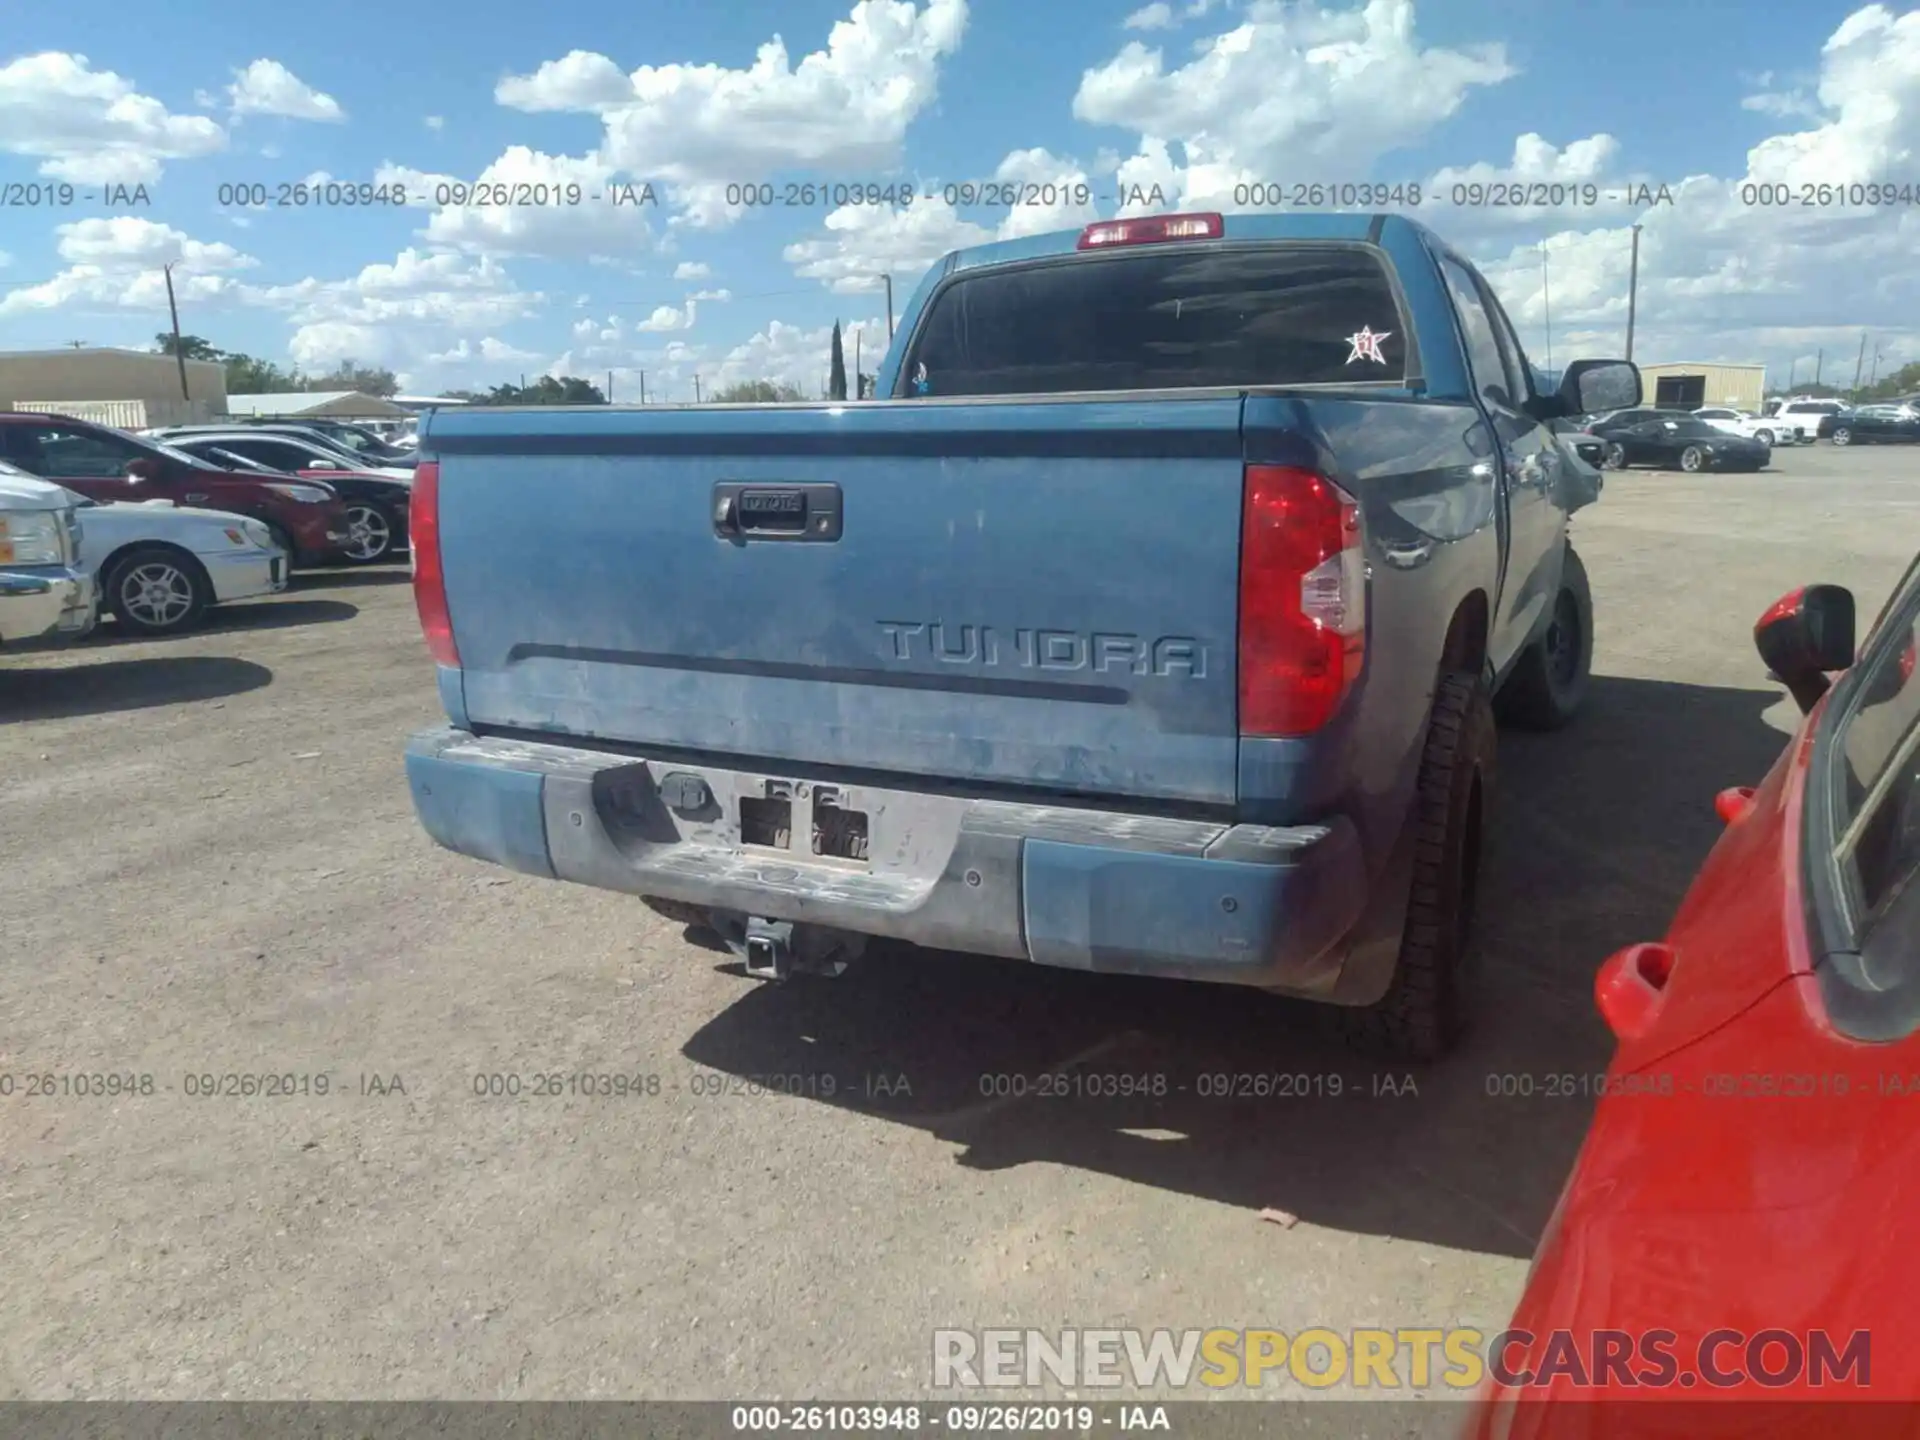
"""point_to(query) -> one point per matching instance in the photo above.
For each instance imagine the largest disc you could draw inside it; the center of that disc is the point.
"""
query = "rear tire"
(1424, 1012)
(1693, 459)
(1842, 435)
(1616, 457)
(1549, 680)
(1765, 437)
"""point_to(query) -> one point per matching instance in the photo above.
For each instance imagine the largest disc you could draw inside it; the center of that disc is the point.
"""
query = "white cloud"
(864, 242)
(691, 270)
(528, 203)
(1055, 194)
(710, 295)
(1722, 277)
(1292, 93)
(398, 313)
(790, 355)
(116, 263)
(1157, 16)
(436, 122)
(489, 349)
(843, 110)
(266, 87)
(91, 126)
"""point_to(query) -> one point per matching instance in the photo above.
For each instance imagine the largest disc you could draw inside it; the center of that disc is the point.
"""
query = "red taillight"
(1152, 230)
(1303, 600)
(429, 583)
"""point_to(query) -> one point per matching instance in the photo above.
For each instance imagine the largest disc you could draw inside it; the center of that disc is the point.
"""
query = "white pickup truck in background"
(45, 593)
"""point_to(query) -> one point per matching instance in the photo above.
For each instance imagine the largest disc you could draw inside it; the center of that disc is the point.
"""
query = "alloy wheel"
(369, 533)
(157, 594)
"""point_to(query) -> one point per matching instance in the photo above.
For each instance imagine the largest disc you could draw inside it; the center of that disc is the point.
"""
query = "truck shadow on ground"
(1600, 831)
(110, 685)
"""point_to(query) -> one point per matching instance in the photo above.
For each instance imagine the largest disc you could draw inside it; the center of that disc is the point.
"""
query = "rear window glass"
(1307, 315)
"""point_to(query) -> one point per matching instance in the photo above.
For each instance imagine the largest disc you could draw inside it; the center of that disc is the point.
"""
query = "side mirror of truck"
(1590, 387)
(1805, 634)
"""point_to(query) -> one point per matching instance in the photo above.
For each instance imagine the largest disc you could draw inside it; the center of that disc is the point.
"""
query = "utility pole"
(889, 280)
(859, 385)
(1819, 364)
(643, 387)
(696, 389)
(1792, 371)
(174, 310)
(1546, 303)
(609, 387)
(1861, 362)
(1872, 378)
(1633, 289)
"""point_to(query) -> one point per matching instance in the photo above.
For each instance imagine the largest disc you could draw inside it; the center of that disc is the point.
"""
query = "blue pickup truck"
(1153, 622)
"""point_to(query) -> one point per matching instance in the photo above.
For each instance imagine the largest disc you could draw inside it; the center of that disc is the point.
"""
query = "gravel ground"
(212, 868)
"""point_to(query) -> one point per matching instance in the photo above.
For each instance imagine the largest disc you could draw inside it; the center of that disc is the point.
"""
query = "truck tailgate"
(1032, 594)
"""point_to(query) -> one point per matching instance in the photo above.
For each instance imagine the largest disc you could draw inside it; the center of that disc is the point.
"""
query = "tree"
(191, 346)
(757, 392)
(547, 390)
(248, 376)
(837, 374)
(349, 375)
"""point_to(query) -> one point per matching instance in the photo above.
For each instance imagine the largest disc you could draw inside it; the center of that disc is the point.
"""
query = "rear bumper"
(1080, 889)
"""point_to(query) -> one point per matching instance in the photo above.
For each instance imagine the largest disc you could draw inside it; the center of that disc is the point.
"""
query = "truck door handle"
(796, 512)
(194, 499)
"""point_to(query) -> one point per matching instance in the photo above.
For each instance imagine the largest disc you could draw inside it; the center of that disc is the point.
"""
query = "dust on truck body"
(1152, 623)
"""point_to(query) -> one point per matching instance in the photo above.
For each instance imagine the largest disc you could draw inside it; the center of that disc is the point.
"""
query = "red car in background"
(308, 518)
(1735, 1227)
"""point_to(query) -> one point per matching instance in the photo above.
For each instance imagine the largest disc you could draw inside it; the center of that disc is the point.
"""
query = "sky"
(663, 195)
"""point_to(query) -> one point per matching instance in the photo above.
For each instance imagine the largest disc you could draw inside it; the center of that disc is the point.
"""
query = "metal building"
(132, 388)
(1688, 385)
(332, 404)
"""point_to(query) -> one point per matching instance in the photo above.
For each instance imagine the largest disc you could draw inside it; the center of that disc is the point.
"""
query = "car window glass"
(1512, 355)
(1887, 712)
(1163, 318)
(79, 454)
(1483, 347)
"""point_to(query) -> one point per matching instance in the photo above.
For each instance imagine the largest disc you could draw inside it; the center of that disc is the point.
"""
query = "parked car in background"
(1754, 1134)
(376, 504)
(1682, 443)
(1808, 419)
(364, 444)
(1875, 425)
(45, 590)
(321, 452)
(1750, 427)
(1587, 447)
(159, 567)
(307, 519)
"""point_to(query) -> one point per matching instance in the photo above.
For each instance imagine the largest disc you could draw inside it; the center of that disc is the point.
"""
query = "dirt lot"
(212, 868)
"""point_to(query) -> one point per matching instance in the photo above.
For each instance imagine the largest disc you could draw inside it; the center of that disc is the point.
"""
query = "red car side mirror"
(1805, 634)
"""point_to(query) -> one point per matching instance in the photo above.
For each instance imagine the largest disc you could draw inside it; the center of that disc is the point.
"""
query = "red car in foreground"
(1735, 1228)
